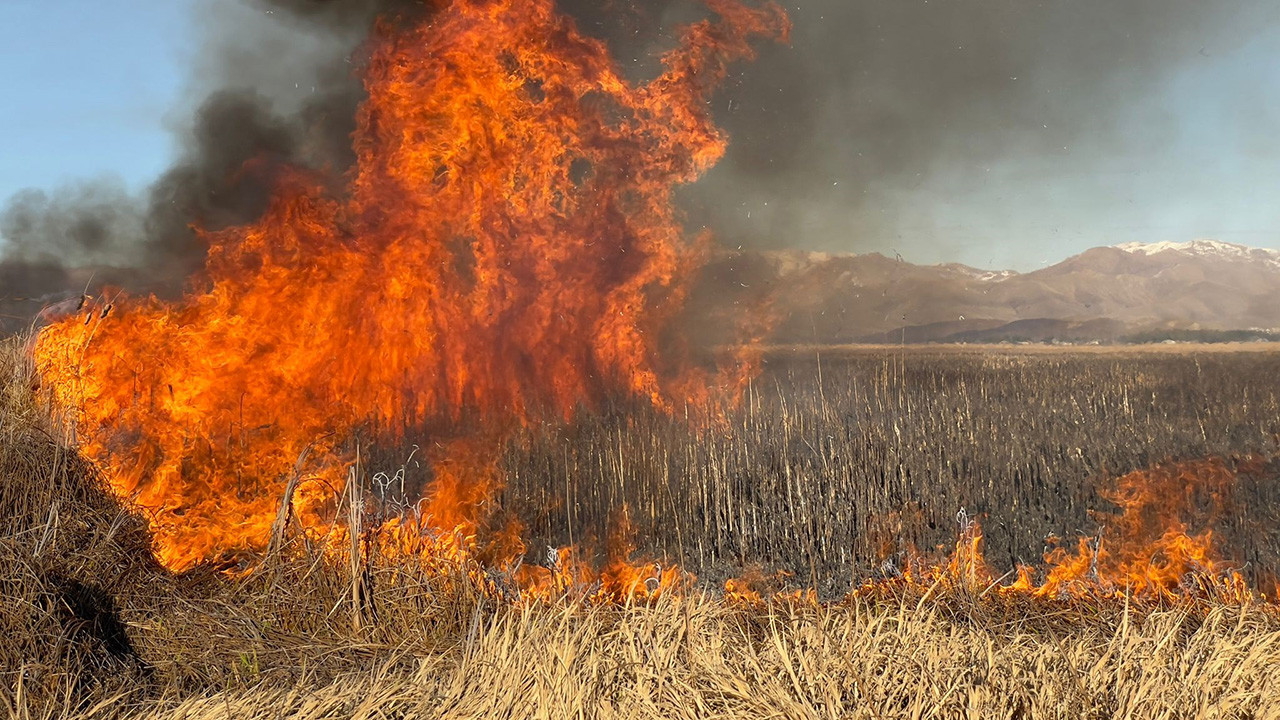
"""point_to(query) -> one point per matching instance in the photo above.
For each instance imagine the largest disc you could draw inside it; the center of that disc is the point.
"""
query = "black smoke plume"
(275, 85)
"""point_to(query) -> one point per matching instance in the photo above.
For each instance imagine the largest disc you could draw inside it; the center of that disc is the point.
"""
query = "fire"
(1150, 547)
(506, 249)
(1156, 547)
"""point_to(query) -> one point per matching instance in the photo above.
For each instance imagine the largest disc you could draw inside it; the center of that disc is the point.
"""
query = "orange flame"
(506, 246)
(1148, 548)
(1145, 551)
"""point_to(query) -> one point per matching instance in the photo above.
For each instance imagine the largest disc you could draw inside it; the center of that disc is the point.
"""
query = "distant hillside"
(1201, 290)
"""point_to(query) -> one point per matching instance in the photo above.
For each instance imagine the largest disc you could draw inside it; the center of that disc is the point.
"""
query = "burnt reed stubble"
(838, 466)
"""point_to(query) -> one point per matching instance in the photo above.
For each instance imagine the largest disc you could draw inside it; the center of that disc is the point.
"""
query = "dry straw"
(91, 627)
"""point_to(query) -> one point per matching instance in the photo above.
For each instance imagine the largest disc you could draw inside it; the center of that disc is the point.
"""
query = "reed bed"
(836, 463)
(698, 657)
(92, 627)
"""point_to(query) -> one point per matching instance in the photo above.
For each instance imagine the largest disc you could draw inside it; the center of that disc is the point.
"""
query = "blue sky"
(93, 89)
(88, 87)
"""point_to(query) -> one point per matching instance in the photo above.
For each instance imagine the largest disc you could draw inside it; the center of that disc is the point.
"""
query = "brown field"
(826, 475)
(1024, 348)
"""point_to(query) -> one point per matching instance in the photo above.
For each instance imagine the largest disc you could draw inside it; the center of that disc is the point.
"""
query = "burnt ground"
(838, 463)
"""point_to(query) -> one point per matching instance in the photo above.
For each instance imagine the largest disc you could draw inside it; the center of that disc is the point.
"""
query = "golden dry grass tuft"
(699, 658)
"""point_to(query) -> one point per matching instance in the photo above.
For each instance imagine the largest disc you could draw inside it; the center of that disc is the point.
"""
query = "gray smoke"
(870, 97)
(276, 86)
(874, 97)
(82, 224)
(45, 237)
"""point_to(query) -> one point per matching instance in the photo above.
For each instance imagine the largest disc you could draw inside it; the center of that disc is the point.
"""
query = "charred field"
(837, 463)
(846, 482)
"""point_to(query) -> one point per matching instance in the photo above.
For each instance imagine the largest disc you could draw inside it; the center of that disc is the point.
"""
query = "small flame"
(1146, 550)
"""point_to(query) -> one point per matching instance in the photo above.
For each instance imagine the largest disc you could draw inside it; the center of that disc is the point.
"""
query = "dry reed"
(91, 627)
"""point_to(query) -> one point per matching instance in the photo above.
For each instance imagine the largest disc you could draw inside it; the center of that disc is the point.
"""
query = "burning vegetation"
(503, 268)
(505, 249)
(95, 628)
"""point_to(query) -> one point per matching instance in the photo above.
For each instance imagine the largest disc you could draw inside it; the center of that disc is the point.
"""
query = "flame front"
(505, 246)
(1157, 547)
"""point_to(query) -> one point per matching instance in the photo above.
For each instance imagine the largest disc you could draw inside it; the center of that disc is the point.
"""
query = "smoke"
(834, 137)
(87, 223)
(830, 135)
(45, 237)
(275, 84)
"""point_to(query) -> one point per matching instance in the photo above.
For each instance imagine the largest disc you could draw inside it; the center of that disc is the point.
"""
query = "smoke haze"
(877, 102)
(833, 137)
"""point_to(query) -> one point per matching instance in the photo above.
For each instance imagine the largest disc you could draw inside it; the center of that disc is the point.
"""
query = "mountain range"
(1198, 290)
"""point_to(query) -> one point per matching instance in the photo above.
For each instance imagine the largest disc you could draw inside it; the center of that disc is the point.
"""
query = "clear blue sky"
(91, 88)
(87, 87)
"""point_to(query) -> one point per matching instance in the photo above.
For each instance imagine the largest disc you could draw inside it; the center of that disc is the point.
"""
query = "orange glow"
(1145, 551)
(506, 249)
(1148, 548)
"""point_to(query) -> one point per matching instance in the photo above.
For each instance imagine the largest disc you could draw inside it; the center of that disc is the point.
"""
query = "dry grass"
(698, 658)
(90, 627)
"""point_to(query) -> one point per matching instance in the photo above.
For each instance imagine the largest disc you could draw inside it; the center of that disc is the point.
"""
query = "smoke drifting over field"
(871, 99)
(879, 97)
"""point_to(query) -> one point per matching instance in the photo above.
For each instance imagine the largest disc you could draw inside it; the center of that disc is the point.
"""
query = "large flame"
(506, 246)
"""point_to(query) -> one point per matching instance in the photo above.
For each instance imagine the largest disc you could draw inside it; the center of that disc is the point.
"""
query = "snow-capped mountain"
(1105, 293)
(1206, 249)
